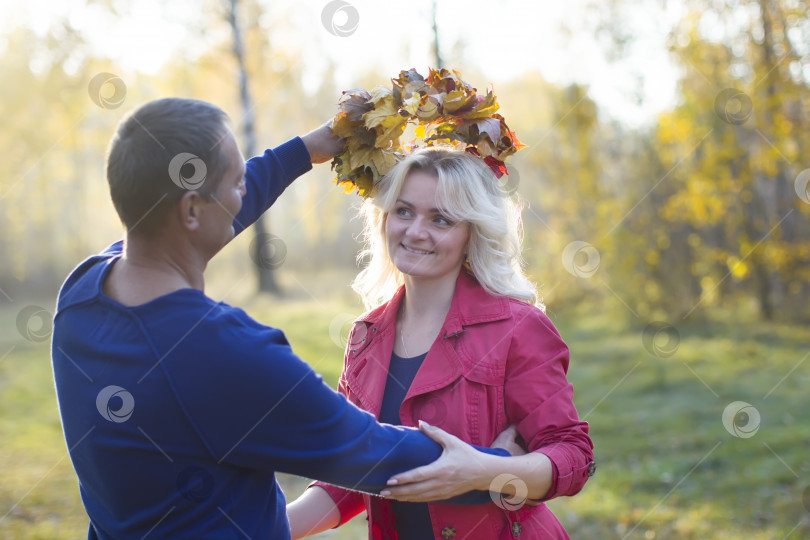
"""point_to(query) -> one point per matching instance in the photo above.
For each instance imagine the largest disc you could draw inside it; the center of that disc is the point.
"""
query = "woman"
(461, 345)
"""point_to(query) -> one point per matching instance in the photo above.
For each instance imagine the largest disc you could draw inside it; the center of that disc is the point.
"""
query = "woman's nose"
(417, 228)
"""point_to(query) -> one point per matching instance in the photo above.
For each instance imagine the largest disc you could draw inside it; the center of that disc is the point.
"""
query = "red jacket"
(497, 361)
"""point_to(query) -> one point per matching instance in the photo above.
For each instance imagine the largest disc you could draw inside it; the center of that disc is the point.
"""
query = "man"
(177, 410)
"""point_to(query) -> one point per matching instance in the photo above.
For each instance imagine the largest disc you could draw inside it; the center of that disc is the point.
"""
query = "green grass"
(668, 469)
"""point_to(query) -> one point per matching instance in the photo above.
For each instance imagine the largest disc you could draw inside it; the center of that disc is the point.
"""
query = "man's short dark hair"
(160, 151)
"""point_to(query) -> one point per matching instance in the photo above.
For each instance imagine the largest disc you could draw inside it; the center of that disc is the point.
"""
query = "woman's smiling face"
(422, 241)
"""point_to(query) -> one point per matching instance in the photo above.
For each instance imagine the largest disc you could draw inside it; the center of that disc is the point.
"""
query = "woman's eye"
(444, 221)
(402, 211)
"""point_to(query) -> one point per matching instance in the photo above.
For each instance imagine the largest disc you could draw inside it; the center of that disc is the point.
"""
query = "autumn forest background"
(673, 254)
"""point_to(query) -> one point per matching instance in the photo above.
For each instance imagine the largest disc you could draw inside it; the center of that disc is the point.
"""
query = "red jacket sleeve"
(540, 400)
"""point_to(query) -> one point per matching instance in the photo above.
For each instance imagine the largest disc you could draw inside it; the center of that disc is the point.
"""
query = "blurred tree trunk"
(266, 279)
(436, 51)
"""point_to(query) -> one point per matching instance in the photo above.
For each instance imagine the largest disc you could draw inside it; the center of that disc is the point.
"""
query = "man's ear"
(189, 210)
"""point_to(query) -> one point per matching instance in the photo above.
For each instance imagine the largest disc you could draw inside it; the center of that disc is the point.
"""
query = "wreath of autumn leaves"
(445, 109)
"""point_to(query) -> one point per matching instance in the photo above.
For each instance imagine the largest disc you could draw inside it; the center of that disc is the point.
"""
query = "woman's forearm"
(313, 512)
(528, 476)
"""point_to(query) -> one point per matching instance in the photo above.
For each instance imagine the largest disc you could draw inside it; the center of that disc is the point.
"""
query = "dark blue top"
(412, 519)
(177, 413)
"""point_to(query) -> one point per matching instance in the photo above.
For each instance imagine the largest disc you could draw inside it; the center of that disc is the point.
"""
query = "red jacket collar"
(471, 305)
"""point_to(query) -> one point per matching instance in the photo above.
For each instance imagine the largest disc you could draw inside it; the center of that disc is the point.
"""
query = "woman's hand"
(460, 468)
(510, 440)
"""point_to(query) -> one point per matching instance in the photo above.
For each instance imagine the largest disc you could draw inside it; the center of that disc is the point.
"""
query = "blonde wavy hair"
(467, 191)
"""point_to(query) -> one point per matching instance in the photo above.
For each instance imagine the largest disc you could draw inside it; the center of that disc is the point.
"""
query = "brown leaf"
(406, 84)
(491, 127)
(342, 126)
(355, 104)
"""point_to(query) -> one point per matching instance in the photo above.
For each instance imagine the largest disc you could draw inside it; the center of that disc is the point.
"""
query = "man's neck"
(149, 269)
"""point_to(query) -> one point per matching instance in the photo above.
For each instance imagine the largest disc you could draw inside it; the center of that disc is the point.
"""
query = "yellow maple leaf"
(379, 93)
(388, 136)
(384, 114)
(455, 100)
(359, 153)
(411, 104)
(383, 161)
(485, 107)
(429, 108)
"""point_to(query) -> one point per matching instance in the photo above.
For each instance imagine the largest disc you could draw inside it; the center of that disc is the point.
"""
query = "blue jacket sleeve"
(267, 176)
